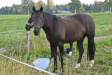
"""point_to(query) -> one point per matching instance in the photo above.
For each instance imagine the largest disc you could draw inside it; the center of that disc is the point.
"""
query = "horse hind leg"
(91, 49)
(71, 48)
(81, 51)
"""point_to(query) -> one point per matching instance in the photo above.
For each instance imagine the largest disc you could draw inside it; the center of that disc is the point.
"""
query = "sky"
(11, 2)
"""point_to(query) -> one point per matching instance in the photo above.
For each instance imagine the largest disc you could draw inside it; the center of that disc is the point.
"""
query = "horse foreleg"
(91, 48)
(81, 51)
(54, 47)
(52, 55)
(61, 48)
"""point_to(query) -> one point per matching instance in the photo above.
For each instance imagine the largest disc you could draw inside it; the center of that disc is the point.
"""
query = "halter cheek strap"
(42, 18)
(42, 21)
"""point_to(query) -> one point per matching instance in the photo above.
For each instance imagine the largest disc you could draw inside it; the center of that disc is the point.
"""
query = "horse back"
(74, 27)
(86, 22)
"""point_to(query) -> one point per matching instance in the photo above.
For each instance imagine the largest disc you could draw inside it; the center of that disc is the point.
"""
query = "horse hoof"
(91, 64)
(77, 66)
(70, 54)
(53, 71)
(61, 72)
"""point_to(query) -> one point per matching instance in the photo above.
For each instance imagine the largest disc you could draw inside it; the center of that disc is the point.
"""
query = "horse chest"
(52, 37)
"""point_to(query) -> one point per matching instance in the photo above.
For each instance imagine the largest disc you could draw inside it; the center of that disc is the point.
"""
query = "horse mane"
(50, 20)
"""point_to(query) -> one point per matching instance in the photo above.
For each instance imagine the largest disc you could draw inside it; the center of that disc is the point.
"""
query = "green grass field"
(16, 45)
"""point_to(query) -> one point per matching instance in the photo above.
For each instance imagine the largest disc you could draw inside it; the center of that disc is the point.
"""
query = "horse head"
(38, 20)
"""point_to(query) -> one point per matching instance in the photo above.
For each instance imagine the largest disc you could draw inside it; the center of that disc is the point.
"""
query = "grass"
(16, 45)
(12, 22)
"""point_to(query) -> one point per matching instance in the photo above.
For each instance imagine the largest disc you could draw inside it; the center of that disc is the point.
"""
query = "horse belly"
(75, 32)
(73, 38)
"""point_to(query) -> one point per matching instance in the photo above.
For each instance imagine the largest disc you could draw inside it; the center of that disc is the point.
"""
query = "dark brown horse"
(30, 25)
(69, 29)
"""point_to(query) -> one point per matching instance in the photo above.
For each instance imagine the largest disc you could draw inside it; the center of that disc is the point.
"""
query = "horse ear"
(41, 9)
(34, 10)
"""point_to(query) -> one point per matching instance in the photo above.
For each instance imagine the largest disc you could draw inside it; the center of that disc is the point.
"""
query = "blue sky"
(11, 2)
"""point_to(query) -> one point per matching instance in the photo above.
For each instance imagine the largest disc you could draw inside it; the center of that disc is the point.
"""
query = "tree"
(51, 4)
(96, 7)
(36, 5)
(65, 7)
(75, 4)
(110, 4)
(40, 2)
(49, 10)
(82, 9)
(27, 5)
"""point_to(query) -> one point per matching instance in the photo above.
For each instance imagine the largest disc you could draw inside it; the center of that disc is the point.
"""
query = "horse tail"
(88, 55)
(90, 33)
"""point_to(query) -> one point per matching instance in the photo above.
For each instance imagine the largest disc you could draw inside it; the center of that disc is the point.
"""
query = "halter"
(42, 18)
(30, 24)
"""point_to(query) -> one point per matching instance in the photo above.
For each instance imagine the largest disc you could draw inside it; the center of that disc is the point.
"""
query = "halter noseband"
(30, 24)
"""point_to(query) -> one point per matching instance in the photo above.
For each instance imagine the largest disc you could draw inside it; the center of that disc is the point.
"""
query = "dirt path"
(103, 37)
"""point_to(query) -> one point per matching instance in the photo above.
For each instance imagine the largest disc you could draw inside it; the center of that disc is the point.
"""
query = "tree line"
(74, 6)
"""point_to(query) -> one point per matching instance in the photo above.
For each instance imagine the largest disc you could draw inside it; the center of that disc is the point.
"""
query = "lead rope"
(28, 42)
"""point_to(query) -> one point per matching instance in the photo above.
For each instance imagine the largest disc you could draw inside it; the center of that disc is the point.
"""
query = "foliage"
(75, 4)
(36, 5)
(82, 9)
(48, 9)
(27, 5)
(15, 9)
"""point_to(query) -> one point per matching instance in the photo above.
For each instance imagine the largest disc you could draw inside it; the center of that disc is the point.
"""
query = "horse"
(72, 28)
(30, 25)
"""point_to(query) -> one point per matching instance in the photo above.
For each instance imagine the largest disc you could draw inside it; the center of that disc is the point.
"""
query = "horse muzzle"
(28, 27)
(36, 32)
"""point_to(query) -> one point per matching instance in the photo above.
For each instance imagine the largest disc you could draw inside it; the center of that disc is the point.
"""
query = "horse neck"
(48, 22)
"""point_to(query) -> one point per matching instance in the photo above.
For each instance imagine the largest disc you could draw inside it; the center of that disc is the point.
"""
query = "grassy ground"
(16, 45)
